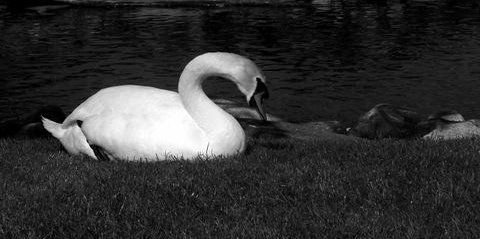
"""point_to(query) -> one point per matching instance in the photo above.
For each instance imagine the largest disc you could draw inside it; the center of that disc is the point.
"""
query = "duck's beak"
(256, 101)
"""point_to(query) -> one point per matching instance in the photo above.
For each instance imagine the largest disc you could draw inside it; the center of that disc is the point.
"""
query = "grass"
(280, 189)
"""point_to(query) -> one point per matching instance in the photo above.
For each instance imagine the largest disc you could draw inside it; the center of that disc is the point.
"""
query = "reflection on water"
(333, 60)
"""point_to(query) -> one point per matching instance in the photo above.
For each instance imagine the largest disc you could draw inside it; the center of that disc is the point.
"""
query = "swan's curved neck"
(209, 117)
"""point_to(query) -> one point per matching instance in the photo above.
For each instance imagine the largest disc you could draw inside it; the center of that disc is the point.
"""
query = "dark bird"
(31, 125)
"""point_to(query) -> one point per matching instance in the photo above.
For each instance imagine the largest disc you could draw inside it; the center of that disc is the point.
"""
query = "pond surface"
(327, 61)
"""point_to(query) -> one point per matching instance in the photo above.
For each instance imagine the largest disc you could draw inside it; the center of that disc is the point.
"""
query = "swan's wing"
(126, 99)
(146, 136)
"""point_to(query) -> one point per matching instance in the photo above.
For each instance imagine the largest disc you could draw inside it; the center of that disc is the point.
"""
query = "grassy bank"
(280, 189)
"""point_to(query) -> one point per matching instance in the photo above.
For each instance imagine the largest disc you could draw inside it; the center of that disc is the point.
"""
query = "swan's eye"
(261, 88)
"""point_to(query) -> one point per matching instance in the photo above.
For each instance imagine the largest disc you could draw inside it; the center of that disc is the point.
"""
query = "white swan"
(145, 123)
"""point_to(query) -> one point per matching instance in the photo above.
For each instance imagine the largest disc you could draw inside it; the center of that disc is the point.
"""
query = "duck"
(30, 125)
(275, 127)
(449, 124)
(386, 121)
(143, 123)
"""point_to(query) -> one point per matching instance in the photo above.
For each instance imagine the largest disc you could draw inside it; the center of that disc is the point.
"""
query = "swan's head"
(256, 98)
(239, 69)
(251, 82)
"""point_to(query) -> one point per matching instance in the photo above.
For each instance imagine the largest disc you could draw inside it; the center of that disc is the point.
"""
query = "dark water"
(333, 60)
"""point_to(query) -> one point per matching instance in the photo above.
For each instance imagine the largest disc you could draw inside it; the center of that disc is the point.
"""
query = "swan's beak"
(261, 93)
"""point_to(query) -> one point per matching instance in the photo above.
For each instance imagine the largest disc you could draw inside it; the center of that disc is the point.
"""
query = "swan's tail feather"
(71, 137)
(54, 128)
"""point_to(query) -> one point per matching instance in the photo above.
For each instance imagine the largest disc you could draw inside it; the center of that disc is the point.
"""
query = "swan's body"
(145, 123)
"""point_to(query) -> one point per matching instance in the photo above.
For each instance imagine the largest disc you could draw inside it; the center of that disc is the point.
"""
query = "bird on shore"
(389, 121)
(30, 125)
(134, 122)
(386, 121)
(450, 124)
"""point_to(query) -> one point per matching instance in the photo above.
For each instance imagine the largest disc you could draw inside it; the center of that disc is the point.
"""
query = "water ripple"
(331, 60)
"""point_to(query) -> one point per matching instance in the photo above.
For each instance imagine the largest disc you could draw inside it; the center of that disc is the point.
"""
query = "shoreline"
(160, 3)
(181, 3)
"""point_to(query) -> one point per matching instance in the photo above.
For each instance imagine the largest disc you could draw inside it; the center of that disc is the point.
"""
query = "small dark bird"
(387, 121)
(31, 125)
